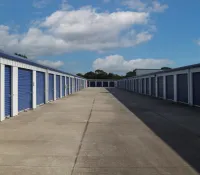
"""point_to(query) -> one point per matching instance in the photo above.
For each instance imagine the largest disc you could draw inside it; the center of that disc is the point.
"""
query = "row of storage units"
(179, 85)
(25, 85)
(101, 83)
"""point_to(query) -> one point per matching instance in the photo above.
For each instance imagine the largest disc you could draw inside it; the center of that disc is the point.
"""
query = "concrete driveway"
(93, 133)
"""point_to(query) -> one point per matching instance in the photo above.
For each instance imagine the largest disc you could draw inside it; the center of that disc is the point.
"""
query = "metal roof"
(33, 63)
(167, 71)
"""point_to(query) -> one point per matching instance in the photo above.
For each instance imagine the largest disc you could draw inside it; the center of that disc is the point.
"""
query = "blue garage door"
(57, 86)
(51, 87)
(142, 85)
(7, 91)
(170, 87)
(67, 85)
(40, 88)
(71, 86)
(99, 84)
(182, 88)
(153, 86)
(25, 88)
(147, 86)
(63, 86)
(160, 87)
(92, 84)
(196, 88)
(75, 85)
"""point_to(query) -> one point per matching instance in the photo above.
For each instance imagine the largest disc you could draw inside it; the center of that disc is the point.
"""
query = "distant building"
(145, 71)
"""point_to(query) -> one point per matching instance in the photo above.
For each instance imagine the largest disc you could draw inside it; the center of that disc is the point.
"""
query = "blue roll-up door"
(67, 85)
(170, 87)
(196, 88)
(182, 88)
(57, 86)
(147, 86)
(105, 84)
(40, 87)
(74, 81)
(142, 85)
(25, 89)
(8, 86)
(92, 84)
(153, 86)
(98, 83)
(71, 86)
(63, 86)
(112, 84)
(51, 87)
(160, 86)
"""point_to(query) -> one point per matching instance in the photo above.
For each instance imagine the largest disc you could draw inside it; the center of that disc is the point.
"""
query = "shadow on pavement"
(177, 125)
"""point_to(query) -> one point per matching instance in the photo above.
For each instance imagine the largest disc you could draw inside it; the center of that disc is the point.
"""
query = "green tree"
(131, 74)
(166, 68)
(90, 75)
(80, 75)
(20, 55)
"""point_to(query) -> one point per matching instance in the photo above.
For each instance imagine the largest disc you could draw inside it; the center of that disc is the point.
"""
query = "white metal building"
(179, 84)
(25, 84)
(145, 71)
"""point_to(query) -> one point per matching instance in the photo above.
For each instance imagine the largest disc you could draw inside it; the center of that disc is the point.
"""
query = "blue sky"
(113, 35)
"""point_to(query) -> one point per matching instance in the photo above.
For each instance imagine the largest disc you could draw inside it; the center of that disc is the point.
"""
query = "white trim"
(65, 93)
(46, 87)
(34, 94)
(150, 86)
(2, 92)
(69, 85)
(14, 91)
(156, 86)
(61, 87)
(54, 76)
(164, 87)
(195, 70)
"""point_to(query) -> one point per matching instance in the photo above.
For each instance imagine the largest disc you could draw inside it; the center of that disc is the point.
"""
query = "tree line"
(100, 74)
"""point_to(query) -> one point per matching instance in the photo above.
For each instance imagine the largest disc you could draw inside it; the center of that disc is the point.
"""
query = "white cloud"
(40, 3)
(145, 5)
(198, 42)
(117, 63)
(83, 29)
(65, 5)
(52, 64)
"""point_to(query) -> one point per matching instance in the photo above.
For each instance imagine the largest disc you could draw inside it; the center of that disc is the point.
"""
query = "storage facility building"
(179, 84)
(25, 84)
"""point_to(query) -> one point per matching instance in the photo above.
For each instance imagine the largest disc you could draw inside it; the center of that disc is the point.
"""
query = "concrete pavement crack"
(84, 132)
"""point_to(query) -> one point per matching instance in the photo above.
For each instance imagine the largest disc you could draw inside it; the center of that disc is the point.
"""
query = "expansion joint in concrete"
(84, 132)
